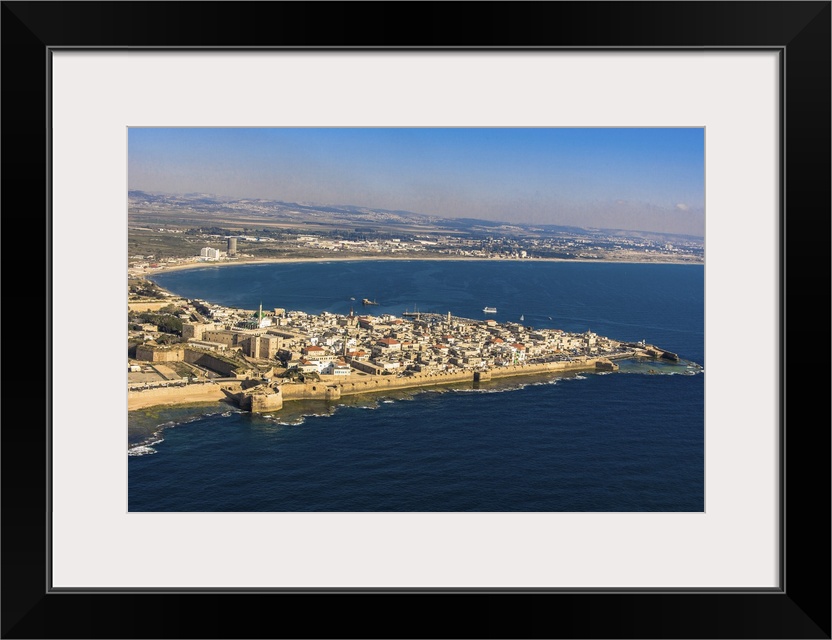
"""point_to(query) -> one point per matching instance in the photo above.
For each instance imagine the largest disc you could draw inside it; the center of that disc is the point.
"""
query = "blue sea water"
(626, 441)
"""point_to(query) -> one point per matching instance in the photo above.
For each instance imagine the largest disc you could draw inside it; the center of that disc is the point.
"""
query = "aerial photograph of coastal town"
(415, 319)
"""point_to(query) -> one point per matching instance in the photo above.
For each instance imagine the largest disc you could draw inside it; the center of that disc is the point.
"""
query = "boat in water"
(490, 310)
(367, 301)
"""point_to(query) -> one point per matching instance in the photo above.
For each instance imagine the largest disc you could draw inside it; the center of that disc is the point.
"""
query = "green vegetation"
(170, 309)
(296, 375)
(239, 365)
(161, 245)
(166, 322)
(141, 288)
(183, 369)
(175, 227)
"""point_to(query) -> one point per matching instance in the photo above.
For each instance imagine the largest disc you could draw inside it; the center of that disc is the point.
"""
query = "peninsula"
(185, 351)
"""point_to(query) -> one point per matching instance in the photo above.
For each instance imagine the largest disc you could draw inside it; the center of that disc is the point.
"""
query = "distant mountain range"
(297, 212)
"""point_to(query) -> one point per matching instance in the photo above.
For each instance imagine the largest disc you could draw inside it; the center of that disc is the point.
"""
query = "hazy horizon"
(646, 179)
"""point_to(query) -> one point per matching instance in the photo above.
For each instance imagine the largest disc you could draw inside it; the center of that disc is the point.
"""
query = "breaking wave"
(146, 446)
(141, 450)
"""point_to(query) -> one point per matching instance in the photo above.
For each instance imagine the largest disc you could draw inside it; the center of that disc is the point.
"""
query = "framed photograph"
(727, 104)
(303, 324)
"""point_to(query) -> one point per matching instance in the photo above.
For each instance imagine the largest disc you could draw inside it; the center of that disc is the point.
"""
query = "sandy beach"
(357, 258)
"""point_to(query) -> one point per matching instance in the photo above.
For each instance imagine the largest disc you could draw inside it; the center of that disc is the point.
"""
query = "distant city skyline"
(647, 179)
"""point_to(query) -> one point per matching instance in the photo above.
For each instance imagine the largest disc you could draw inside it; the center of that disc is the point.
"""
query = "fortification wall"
(544, 367)
(310, 391)
(334, 390)
(271, 402)
(371, 384)
(150, 353)
(151, 305)
(179, 395)
(192, 356)
(259, 402)
(380, 383)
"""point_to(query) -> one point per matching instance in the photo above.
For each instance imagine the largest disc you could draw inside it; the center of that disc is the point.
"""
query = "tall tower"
(232, 246)
(449, 319)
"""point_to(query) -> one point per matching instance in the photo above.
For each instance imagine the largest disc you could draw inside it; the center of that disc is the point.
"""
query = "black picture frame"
(799, 31)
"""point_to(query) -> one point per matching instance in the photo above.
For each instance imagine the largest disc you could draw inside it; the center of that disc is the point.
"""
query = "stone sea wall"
(335, 389)
(180, 395)
(332, 390)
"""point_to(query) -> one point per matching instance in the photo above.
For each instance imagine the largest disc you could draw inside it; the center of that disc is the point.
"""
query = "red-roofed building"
(307, 366)
(390, 344)
(519, 351)
(314, 352)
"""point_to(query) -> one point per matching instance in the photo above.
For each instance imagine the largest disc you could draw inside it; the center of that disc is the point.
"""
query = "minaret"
(260, 316)
(449, 320)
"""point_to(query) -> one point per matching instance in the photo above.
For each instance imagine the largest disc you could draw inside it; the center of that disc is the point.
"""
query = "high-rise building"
(232, 246)
(210, 253)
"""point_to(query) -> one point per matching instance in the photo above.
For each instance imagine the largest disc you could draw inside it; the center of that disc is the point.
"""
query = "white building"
(338, 368)
(208, 253)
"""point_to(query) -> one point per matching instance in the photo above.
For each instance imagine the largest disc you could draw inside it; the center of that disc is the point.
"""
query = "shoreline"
(204, 394)
(176, 396)
(365, 385)
(256, 261)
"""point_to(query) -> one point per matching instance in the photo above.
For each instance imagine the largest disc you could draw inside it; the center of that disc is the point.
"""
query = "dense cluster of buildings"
(341, 345)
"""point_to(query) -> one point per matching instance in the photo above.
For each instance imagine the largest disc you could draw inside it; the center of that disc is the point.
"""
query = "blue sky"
(647, 179)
